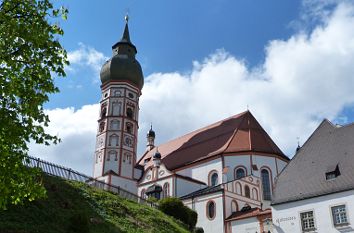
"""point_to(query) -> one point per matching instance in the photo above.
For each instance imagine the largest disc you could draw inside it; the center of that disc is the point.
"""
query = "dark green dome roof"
(123, 66)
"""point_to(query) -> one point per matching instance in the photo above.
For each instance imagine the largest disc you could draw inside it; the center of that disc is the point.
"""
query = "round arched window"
(211, 210)
(240, 172)
(214, 179)
(266, 184)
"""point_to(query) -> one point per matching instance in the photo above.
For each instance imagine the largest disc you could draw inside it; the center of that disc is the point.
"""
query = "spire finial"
(298, 144)
(150, 126)
(126, 17)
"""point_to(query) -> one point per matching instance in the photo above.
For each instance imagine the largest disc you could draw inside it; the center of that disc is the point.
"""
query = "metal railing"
(69, 174)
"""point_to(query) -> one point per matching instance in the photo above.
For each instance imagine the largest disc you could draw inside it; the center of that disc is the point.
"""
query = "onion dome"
(157, 155)
(123, 66)
(151, 133)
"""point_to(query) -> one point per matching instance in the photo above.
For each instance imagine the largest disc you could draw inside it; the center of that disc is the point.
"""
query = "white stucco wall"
(281, 165)
(201, 171)
(249, 225)
(235, 161)
(184, 187)
(215, 225)
(112, 165)
(286, 217)
(127, 184)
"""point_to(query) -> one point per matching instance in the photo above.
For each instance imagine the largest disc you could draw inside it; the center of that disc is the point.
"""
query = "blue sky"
(170, 35)
(289, 61)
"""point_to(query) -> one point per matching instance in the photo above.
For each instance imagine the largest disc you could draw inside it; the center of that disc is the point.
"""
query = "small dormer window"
(332, 173)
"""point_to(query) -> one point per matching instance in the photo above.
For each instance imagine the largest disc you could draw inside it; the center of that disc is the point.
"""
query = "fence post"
(69, 174)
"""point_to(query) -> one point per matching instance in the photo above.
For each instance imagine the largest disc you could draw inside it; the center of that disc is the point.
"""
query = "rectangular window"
(339, 215)
(307, 221)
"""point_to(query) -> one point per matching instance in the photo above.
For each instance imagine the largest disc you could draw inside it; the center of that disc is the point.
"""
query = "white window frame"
(335, 224)
(309, 229)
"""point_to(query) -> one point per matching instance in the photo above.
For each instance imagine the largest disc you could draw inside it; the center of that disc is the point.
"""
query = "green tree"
(30, 56)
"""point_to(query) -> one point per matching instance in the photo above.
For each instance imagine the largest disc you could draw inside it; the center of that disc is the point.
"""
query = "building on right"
(315, 191)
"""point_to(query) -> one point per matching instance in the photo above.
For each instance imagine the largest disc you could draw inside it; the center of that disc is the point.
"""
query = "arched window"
(112, 154)
(211, 210)
(239, 173)
(127, 158)
(101, 128)
(103, 111)
(255, 194)
(115, 125)
(238, 188)
(234, 206)
(267, 195)
(247, 191)
(129, 127)
(113, 140)
(166, 190)
(116, 108)
(130, 113)
(213, 178)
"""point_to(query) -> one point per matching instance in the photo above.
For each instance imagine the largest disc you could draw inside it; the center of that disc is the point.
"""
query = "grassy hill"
(75, 207)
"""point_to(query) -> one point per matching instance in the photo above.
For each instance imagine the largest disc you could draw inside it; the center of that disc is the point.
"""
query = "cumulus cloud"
(86, 56)
(76, 129)
(303, 79)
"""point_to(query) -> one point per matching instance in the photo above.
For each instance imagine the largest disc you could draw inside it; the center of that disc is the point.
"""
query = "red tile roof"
(239, 133)
(253, 212)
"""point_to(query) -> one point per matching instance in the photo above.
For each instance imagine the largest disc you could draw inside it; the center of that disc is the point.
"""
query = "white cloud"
(77, 131)
(304, 79)
(88, 57)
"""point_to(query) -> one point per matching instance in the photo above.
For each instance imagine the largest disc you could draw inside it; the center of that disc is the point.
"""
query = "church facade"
(225, 171)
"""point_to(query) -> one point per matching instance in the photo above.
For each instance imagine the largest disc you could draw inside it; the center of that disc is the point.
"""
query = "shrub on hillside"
(174, 207)
(79, 223)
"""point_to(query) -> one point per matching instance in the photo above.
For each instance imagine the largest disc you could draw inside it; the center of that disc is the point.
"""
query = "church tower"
(116, 141)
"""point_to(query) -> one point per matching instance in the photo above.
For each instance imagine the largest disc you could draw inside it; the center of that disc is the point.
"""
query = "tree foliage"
(174, 207)
(30, 55)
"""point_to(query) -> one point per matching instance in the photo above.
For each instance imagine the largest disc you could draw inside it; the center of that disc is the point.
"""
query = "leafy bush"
(174, 207)
(79, 223)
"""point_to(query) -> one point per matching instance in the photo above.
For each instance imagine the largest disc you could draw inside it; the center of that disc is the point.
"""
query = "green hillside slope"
(75, 207)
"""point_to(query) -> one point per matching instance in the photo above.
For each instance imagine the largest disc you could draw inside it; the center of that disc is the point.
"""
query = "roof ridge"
(234, 134)
(207, 126)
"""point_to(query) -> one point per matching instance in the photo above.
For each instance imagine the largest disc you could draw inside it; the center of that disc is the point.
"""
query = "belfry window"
(130, 113)
(103, 112)
(129, 127)
(101, 128)
(116, 108)
(112, 154)
(113, 140)
(115, 125)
